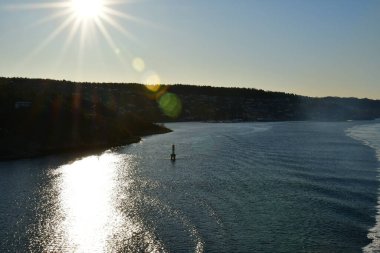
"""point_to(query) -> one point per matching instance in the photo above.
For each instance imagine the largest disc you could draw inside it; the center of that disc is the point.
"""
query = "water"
(370, 136)
(250, 187)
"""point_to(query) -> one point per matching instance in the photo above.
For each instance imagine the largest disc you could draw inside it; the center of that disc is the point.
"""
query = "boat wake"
(370, 136)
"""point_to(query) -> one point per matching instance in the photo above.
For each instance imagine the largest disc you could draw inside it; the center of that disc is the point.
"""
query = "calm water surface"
(250, 187)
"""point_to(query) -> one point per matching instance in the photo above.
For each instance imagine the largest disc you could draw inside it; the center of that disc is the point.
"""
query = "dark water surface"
(250, 187)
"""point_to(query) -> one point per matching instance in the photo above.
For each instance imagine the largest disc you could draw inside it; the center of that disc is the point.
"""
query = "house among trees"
(23, 104)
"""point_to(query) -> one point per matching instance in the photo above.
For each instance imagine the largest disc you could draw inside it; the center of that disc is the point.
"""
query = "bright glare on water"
(83, 209)
(86, 199)
(252, 187)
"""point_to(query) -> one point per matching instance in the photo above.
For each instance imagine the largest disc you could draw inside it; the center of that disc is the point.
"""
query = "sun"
(87, 9)
(81, 19)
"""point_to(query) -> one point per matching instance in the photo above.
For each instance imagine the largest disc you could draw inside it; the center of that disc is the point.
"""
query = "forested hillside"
(38, 115)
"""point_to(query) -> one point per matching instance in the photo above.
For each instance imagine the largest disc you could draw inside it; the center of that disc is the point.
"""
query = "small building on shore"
(23, 104)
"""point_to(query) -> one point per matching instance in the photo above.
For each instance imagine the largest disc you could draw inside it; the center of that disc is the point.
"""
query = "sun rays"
(82, 19)
(83, 30)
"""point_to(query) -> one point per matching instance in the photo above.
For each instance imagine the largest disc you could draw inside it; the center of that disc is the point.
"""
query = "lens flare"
(152, 81)
(170, 104)
(138, 64)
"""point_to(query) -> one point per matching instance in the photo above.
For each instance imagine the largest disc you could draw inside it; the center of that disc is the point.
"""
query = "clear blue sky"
(308, 47)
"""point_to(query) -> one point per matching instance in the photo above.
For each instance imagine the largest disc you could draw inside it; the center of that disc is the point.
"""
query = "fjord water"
(249, 187)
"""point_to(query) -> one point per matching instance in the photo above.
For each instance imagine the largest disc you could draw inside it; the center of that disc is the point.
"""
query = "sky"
(307, 47)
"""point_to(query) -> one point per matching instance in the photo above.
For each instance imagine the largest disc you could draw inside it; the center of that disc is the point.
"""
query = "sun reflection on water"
(86, 198)
(97, 210)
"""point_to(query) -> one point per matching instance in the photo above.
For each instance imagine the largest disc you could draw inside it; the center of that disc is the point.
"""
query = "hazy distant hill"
(208, 103)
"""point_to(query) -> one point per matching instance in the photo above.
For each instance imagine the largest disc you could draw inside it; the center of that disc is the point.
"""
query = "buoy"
(172, 156)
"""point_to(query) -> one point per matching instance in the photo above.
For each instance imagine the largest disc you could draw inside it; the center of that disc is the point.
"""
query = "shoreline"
(89, 148)
(63, 150)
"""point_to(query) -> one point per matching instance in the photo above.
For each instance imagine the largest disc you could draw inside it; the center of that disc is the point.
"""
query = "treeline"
(177, 102)
(242, 104)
